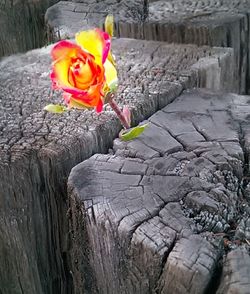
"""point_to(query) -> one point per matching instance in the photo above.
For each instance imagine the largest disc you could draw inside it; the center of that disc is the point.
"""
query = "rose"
(84, 71)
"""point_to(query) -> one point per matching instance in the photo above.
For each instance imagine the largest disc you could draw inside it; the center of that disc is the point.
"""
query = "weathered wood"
(189, 266)
(66, 18)
(214, 23)
(235, 276)
(158, 214)
(223, 24)
(22, 25)
(38, 149)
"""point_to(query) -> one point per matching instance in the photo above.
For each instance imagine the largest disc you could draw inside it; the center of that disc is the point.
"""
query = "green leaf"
(133, 133)
(55, 108)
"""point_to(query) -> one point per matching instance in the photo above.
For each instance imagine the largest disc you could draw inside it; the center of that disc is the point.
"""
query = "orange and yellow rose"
(84, 70)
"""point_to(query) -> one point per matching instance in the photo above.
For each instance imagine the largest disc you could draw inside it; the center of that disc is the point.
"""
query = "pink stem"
(118, 112)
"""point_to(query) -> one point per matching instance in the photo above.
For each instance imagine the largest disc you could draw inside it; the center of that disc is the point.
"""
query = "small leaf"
(55, 108)
(133, 133)
(109, 25)
(113, 86)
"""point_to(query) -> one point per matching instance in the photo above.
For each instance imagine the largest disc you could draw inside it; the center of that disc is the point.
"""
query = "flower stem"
(118, 112)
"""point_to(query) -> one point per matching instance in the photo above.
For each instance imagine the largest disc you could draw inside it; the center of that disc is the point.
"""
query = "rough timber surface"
(223, 23)
(22, 25)
(66, 18)
(38, 149)
(169, 211)
(235, 277)
(215, 23)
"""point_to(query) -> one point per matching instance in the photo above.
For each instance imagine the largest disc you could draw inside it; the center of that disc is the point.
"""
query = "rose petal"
(99, 106)
(60, 78)
(59, 73)
(96, 42)
(63, 53)
(80, 74)
(110, 72)
(66, 49)
(75, 104)
(91, 98)
(87, 74)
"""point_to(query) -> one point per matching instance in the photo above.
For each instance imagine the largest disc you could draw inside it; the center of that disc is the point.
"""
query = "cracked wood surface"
(38, 149)
(169, 211)
(215, 23)
(147, 70)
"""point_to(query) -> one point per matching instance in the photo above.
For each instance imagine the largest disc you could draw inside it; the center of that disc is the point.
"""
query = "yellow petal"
(61, 69)
(83, 76)
(76, 104)
(110, 73)
(64, 49)
(95, 42)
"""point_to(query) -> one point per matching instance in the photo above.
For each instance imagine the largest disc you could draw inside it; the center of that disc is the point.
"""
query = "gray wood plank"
(22, 25)
(162, 221)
